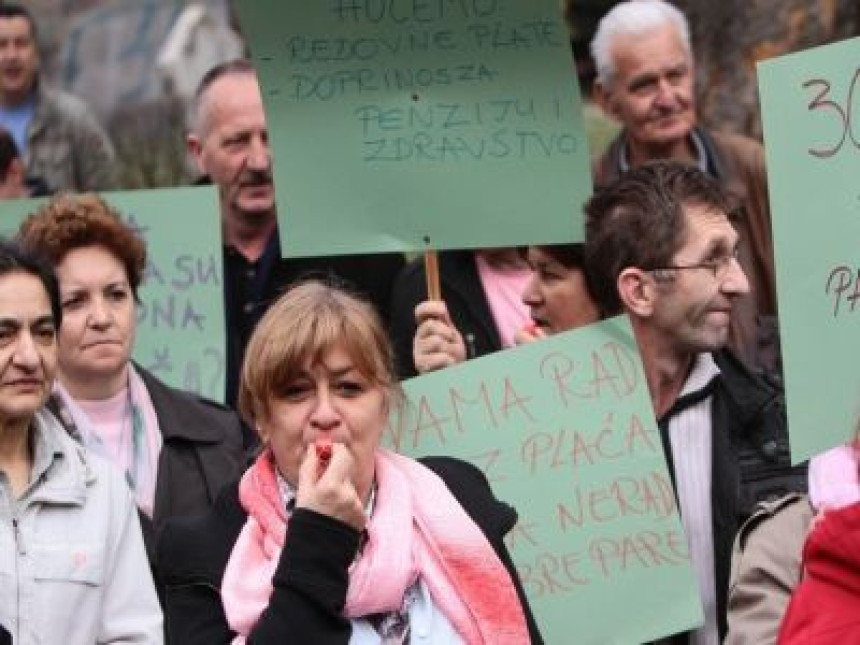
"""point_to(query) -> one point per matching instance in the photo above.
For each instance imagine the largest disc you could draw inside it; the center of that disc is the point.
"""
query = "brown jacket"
(738, 163)
(766, 566)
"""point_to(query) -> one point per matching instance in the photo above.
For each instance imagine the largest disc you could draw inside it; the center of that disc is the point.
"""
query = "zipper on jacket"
(19, 550)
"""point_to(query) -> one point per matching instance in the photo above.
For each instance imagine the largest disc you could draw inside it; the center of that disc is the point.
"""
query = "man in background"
(661, 248)
(56, 134)
(229, 144)
(645, 77)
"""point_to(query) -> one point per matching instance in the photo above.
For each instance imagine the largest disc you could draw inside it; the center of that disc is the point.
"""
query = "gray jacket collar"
(61, 472)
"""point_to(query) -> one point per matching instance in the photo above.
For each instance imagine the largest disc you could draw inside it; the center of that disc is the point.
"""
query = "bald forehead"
(235, 91)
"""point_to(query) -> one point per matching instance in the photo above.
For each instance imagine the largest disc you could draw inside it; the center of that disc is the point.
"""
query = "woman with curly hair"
(175, 449)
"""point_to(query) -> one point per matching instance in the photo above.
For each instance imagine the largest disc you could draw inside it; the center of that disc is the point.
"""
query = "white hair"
(633, 18)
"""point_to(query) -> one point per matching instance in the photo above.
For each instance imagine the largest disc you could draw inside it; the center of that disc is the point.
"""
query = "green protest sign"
(180, 323)
(565, 431)
(14, 211)
(811, 115)
(401, 125)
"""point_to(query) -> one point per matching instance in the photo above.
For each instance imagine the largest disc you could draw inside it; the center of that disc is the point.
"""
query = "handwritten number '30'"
(823, 102)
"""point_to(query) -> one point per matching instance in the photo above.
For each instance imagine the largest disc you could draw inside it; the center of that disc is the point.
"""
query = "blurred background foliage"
(106, 51)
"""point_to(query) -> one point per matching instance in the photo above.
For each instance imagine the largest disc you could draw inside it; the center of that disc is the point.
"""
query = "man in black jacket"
(660, 248)
(229, 143)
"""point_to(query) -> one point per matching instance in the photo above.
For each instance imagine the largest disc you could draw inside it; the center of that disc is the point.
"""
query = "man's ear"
(602, 95)
(194, 147)
(637, 291)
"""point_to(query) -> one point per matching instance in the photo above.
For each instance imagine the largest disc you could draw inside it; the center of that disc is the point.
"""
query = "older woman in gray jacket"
(73, 568)
(176, 449)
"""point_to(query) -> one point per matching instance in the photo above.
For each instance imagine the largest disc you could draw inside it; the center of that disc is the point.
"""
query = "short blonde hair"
(308, 321)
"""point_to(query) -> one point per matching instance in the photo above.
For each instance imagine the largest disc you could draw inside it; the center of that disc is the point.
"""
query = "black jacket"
(370, 276)
(311, 580)
(464, 296)
(202, 451)
(751, 461)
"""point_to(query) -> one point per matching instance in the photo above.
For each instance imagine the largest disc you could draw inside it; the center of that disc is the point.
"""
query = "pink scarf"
(417, 530)
(138, 456)
(834, 478)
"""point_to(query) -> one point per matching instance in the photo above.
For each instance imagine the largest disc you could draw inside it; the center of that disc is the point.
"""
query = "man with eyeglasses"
(645, 81)
(661, 248)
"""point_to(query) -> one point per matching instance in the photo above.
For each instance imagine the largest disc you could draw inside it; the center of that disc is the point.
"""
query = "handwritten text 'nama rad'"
(606, 372)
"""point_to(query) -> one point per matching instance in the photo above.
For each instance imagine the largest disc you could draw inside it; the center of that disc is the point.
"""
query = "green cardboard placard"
(15, 211)
(399, 125)
(565, 431)
(811, 115)
(180, 322)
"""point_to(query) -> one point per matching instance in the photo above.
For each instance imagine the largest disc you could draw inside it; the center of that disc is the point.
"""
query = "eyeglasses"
(718, 266)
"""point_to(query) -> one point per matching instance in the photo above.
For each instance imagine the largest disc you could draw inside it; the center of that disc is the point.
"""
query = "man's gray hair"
(196, 115)
(629, 19)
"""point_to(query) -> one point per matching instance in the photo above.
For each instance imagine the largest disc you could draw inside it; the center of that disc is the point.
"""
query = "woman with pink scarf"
(329, 538)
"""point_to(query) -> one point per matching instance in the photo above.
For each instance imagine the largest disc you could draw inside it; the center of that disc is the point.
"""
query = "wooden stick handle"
(431, 269)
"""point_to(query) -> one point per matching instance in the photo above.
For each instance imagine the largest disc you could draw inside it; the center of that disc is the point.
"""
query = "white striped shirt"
(691, 444)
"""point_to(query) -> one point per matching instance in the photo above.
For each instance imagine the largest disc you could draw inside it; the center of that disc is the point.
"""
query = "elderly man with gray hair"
(645, 78)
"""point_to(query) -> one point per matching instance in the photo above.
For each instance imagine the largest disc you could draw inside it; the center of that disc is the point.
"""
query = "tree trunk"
(731, 36)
